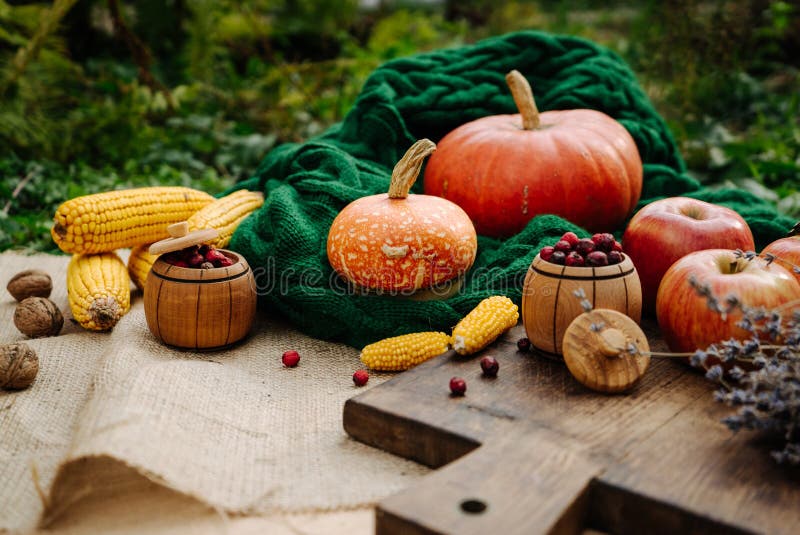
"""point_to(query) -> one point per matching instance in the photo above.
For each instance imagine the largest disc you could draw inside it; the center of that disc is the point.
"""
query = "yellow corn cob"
(225, 214)
(492, 317)
(98, 289)
(112, 220)
(404, 352)
(139, 263)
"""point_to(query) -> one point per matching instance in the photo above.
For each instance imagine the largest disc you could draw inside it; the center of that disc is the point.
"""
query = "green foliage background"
(233, 79)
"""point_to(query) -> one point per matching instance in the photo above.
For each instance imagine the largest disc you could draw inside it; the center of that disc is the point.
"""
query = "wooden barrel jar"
(200, 308)
(549, 303)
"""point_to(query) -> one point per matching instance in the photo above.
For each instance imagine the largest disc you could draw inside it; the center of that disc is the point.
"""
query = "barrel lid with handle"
(180, 238)
(606, 350)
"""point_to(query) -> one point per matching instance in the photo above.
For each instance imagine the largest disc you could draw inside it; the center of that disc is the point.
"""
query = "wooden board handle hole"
(473, 506)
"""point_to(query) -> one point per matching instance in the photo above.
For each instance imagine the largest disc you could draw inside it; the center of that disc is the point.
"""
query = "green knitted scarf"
(428, 95)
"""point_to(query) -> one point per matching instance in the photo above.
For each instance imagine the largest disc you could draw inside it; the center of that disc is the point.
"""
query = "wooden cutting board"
(533, 451)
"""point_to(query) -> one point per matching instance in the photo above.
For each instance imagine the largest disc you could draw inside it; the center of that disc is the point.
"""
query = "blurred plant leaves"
(248, 76)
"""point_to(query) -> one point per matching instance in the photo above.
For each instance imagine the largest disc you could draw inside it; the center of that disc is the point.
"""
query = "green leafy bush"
(227, 81)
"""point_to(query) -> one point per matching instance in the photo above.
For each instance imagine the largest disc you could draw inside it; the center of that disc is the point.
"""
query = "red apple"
(666, 230)
(686, 321)
(787, 253)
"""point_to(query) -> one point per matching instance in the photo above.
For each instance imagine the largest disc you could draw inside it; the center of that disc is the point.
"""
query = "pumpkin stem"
(523, 98)
(406, 171)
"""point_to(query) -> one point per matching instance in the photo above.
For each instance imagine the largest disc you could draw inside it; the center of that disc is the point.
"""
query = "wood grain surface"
(537, 452)
(200, 308)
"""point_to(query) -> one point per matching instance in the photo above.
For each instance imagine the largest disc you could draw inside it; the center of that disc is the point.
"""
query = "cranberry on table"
(458, 386)
(489, 366)
(524, 344)
(290, 358)
(360, 377)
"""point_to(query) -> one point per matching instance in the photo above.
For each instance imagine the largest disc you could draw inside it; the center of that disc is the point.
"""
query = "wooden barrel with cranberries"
(195, 308)
(553, 295)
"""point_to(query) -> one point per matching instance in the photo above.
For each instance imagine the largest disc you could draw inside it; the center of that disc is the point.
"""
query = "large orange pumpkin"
(505, 169)
(401, 242)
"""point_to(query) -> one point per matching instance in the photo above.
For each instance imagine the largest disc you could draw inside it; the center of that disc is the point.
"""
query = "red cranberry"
(179, 263)
(571, 238)
(204, 249)
(171, 258)
(597, 258)
(604, 241)
(213, 255)
(290, 358)
(195, 260)
(523, 344)
(617, 246)
(223, 262)
(563, 246)
(361, 377)
(614, 257)
(546, 253)
(489, 365)
(458, 386)
(585, 246)
(187, 252)
(574, 259)
(558, 258)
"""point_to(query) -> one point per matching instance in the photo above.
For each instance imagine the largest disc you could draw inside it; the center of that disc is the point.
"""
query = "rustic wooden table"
(533, 451)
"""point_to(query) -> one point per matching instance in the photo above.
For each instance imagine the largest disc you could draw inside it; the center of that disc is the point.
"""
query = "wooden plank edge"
(613, 509)
(404, 437)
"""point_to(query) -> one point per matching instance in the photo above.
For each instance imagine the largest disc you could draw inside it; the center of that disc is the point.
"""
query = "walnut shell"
(18, 366)
(30, 283)
(37, 317)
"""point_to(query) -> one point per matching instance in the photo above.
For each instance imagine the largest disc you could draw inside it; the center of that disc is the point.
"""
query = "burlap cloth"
(165, 437)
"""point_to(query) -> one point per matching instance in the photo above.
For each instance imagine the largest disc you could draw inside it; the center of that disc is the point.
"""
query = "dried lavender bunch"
(768, 397)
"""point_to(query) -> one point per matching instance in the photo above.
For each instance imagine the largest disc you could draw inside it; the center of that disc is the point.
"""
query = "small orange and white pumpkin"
(400, 241)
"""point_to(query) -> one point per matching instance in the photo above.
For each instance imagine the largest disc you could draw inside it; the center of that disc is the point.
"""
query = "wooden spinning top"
(597, 350)
(180, 238)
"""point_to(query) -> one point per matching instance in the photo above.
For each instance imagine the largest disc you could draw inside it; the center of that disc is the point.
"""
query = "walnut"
(18, 366)
(30, 283)
(37, 317)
